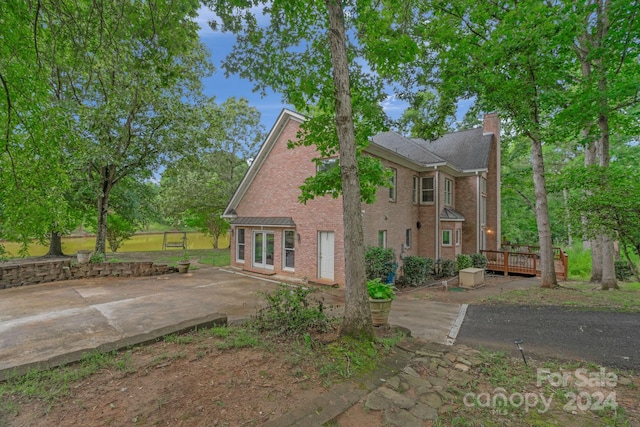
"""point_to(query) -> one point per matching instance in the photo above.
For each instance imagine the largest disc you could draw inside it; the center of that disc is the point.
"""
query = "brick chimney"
(491, 125)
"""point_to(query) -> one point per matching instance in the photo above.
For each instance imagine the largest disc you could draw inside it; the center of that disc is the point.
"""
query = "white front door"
(325, 254)
(263, 249)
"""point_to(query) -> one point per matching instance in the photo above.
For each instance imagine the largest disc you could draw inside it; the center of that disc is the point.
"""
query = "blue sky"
(221, 87)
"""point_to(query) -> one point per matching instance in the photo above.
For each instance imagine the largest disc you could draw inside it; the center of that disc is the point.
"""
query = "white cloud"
(393, 106)
(206, 15)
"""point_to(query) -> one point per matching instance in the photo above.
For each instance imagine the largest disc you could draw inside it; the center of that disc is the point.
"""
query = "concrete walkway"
(55, 323)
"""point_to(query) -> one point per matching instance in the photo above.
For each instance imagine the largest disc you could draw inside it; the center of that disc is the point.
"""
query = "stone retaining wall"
(12, 275)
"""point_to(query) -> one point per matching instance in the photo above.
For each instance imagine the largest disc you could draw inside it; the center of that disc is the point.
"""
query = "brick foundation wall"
(50, 271)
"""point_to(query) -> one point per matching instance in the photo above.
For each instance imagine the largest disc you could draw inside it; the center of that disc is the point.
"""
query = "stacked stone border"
(13, 275)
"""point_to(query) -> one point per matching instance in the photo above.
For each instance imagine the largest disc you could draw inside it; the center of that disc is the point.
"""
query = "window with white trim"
(483, 185)
(416, 189)
(289, 248)
(382, 238)
(458, 236)
(240, 244)
(427, 190)
(446, 237)
(392, 185)
(483, 210)
(448, 192)
(407, 238)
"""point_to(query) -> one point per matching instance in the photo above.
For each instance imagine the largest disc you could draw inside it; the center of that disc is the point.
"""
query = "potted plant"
(184, 263)
(380, 297)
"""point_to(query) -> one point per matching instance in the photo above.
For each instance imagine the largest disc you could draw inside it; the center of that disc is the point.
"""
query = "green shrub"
(479, 260)
(118, 230)
(463, 261)
(380, 263)
(415, 270)
(445, 268)
(623, 270)
(290, 311)
(97, 258)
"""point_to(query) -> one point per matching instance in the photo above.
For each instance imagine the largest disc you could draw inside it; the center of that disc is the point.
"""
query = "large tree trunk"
(547, 264)
(590, 159)
(55, 245)
(608, 263)
(107, 177)
(357, 314)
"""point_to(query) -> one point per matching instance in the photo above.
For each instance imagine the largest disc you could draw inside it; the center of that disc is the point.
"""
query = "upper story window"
(448, 192)
(428, 191)
(416, 189)
(392, 182)
(326, 164)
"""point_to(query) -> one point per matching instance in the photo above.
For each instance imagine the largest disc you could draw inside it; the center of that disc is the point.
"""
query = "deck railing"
(524, 260)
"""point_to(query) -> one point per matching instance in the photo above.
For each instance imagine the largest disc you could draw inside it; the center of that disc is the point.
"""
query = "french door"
(263, 243)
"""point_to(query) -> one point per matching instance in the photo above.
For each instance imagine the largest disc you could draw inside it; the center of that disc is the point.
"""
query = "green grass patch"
(53, 384)
(239, 337)
(348, 357)
(216, 258)
(575, 294)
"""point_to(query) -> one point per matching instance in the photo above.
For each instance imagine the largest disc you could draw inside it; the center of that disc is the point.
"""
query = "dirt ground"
(191, 382)
(179, 384)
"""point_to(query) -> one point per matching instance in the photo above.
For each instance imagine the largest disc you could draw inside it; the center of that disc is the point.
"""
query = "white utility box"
(471, 278)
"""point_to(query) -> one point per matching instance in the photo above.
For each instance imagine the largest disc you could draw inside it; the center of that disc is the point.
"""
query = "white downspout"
(437, 197)
(478, 207)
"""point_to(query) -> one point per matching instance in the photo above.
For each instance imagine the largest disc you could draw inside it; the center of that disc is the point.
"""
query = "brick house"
(445, 200)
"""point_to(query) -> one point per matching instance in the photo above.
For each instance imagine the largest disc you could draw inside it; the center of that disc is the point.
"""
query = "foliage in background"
(95, 91)
(195, 189)
(291, 311)
(463, 261)
(479, 260)
(445, 268)
(416, 270)
(118, 230)
(379, 262)
(623, 270)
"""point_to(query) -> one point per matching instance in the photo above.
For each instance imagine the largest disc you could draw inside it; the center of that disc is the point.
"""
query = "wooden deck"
(524, 260)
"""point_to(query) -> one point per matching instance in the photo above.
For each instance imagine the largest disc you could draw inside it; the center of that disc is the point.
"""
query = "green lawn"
(575, 294)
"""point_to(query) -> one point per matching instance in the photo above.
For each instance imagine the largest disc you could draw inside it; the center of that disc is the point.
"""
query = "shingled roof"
(467, 150)
(264, 220)
(405, 147)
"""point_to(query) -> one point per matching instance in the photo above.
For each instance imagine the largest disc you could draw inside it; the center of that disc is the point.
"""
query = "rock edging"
(13, 275)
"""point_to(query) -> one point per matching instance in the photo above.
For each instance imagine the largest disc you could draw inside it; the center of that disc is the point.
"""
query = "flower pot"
(380, 309)
(83, 257)
(183, 266)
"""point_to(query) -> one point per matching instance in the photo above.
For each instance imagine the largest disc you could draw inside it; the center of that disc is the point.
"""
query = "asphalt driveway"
(610, 339)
